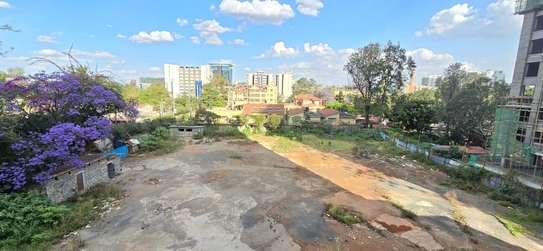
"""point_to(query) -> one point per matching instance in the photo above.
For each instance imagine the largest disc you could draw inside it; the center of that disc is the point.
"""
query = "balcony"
(523, 6)
(519, 101)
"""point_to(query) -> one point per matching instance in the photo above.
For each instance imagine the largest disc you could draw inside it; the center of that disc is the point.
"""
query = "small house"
(294, 115)
(263, 109)
(67, 181)
(330, 116)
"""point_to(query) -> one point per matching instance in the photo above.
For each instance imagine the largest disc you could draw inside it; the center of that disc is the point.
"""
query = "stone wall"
(64, 185)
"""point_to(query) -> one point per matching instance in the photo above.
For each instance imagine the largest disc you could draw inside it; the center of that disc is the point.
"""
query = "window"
(532, 69)
(538, 137)
(524, 116)
(537, 46)
(540, 115)
(521, 134)
(539, 23)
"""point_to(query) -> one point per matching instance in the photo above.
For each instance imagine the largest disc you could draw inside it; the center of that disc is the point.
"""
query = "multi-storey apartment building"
(240, 95)
(282, 81)
(189, 80)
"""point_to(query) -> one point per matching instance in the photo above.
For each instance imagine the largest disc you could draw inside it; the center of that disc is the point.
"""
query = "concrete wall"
(64, 185)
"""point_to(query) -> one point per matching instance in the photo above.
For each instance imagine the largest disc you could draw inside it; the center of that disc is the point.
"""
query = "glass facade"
(223, 70)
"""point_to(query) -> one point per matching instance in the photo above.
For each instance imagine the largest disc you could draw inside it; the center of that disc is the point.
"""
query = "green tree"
(154, 95)
(425, 94)
(205, 116)
(410, 113)
(186, 104)
(215, 93)
(131, 92)
(2, 76)
(378, 72)
(305, 86)
(449, 85)
(274, 121)
(468, 104)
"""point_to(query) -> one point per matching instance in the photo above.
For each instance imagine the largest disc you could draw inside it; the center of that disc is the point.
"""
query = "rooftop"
(524, 6)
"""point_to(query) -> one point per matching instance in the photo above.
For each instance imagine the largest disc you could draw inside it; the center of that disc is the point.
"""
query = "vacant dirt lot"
(238, 195)
(228, 196)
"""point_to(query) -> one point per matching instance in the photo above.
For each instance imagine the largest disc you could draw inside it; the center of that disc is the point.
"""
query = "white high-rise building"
(284, 84)
(189, 80)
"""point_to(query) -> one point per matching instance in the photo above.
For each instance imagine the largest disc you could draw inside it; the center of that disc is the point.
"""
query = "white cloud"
(309, 7)
(209, 30)
(54, 54)
(429, 62)
(259, 11)
(320, 49)
(155, 69)
(279, 49)
(48, 39)
(238, 41)
(4, 5)
(195, 40)
(181, 22)
(152, 37)
(465, 20)
(121, 36)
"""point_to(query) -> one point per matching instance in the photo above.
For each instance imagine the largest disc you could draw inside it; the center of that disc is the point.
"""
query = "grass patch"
(530, 220)
(514, 228)
(29, 221)
(215, 132)
(284, 145)
(342, 215)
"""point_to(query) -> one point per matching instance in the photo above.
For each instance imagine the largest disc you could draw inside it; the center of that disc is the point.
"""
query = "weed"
(29, 221)
(342, 215)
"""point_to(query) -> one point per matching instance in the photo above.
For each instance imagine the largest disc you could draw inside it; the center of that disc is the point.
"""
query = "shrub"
(159, 140)
(30, 221)
(274, 121)
(467, 177)
(224, 132)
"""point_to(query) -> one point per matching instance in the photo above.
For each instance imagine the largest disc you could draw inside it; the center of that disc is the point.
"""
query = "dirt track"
(438, 209)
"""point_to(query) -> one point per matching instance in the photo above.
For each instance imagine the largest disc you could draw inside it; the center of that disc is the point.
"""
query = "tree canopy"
(378, 72)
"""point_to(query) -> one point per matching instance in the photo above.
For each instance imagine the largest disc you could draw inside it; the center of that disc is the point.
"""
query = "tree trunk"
(367, 114)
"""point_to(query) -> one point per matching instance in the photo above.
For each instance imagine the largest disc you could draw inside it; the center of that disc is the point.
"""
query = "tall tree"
(378, 72)
(215, 93)
(450, 84)
(305, 86)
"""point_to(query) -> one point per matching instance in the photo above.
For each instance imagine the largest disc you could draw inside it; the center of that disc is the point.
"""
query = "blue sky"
(310, 38)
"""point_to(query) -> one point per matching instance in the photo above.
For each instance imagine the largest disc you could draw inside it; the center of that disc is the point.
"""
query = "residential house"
(294, 115)
(309, 101)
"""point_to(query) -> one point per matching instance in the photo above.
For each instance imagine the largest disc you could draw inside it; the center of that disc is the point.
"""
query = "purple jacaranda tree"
(47, 122)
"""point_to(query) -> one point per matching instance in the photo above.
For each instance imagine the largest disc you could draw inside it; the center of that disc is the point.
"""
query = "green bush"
(220, 132)
(30, 221)
(159, 140)
(124, 131)
(467, 177)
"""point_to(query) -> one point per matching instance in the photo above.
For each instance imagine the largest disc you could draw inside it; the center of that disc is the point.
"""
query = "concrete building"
(189, 80)
(68, 181)
(240, 95)
(282, 81)
(526, 93)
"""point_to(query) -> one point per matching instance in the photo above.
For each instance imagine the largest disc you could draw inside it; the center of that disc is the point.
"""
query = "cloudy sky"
(311, 38)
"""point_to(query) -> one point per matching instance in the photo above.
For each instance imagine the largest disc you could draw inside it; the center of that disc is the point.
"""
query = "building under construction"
(518, 137)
